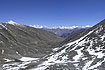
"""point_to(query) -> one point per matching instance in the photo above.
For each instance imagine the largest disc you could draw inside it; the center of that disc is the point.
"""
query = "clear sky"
(53, 12)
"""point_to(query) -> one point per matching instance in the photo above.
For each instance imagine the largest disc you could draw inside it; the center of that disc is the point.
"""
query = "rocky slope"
(82, 51)
(17, 41)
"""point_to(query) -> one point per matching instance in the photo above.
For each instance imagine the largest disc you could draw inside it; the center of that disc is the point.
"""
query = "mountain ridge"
(20, 40)
(85, 51)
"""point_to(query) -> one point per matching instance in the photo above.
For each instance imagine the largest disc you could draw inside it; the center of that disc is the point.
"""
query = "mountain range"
(84, 50)
(63, 31)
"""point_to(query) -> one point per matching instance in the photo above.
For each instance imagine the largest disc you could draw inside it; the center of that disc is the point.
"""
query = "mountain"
(82, 51)
(18, 40)
(64, 32)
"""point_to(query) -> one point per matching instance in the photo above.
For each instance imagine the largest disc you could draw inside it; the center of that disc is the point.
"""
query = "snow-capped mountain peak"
(60, 27)
(12, 22)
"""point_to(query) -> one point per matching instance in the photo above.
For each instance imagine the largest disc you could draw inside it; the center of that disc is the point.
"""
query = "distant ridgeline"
(63, 32)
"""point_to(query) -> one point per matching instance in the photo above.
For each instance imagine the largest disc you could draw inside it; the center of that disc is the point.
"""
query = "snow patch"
(88, 63)
(98, 54)
(55, 49)
(7, 60)
(2, 52)
(28, 59)
(12, 22)
(15, 66)
(19, 65)
(79, 54)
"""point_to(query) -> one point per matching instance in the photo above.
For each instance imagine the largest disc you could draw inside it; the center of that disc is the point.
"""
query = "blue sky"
(53, 12)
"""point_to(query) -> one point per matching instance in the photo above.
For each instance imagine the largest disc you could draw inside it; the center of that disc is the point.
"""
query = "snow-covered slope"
(86, 51)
